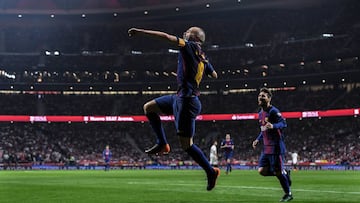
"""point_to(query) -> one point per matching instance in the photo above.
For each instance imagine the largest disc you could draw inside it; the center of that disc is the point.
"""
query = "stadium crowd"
(330, 139)
(99, 49)
(312, 98)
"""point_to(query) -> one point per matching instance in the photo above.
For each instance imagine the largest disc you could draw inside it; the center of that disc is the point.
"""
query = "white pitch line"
(299, 190)
(251, 187)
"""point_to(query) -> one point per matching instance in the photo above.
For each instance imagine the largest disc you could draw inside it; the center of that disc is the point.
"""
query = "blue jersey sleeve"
(279, 121)
(209, 68)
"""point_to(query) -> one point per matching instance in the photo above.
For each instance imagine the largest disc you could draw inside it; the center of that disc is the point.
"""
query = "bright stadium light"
(327, 35)
(136, 52)
(249, 45)
(173, 51)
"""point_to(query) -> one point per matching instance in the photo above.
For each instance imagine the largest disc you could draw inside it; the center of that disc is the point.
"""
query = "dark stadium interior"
(75, 58)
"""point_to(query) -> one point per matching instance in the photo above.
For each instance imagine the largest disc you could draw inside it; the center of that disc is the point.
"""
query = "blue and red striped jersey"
(107, 154)
(192, 65)
(273, 139)
(229, 144)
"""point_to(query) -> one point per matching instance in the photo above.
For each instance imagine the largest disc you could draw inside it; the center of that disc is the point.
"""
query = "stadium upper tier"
(249, 44)
(301, 99)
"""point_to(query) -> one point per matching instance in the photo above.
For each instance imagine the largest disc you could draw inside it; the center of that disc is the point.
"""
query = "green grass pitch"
(177, 186)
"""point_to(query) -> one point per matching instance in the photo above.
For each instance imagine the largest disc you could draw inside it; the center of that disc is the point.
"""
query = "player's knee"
(150, 106)
(261, 171)
(146, 107)
(264, 171)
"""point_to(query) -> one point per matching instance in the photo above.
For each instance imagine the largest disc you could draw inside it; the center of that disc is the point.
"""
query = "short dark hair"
(267, 91)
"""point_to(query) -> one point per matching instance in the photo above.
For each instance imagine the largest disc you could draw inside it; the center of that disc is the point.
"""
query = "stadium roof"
(101, 6)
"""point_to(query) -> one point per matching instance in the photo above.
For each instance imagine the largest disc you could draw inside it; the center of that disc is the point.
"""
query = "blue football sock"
(155, 123)
(198, 156)
(284, 183)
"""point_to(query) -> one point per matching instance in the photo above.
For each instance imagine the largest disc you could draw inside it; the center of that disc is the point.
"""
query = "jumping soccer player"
(271, 162)
(228, 146)
(185, 105)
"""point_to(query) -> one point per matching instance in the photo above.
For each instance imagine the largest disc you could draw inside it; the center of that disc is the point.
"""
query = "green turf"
(176, 186)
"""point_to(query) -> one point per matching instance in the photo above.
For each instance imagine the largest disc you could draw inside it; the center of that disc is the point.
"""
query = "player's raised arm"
(214, 74)
(157, 34)
(210, 71)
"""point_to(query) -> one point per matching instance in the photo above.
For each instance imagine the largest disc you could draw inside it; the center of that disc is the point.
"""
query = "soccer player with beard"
(271, 162)
(185, 105)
